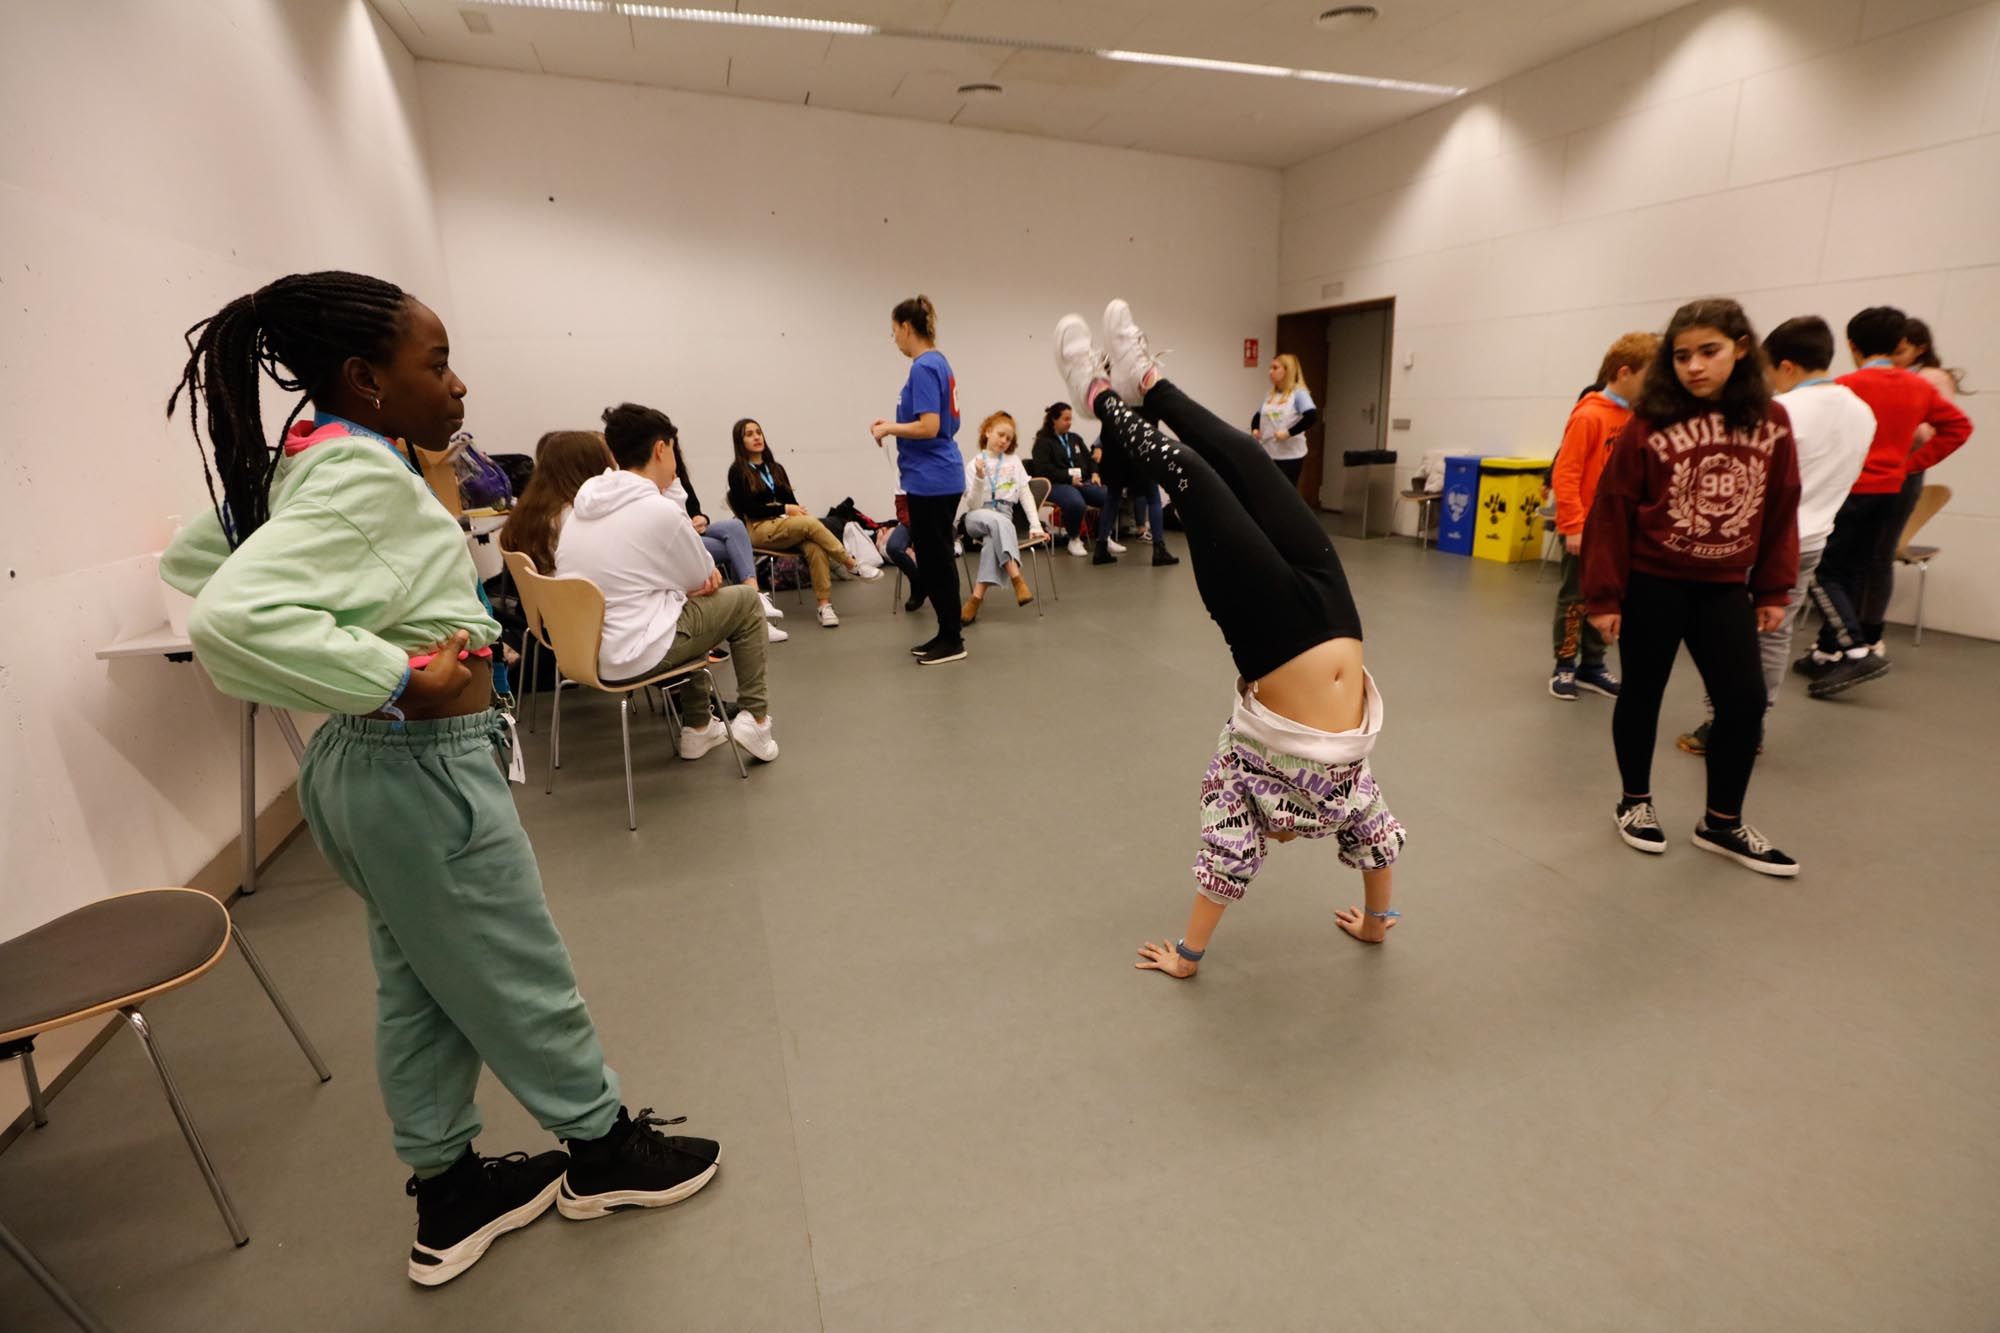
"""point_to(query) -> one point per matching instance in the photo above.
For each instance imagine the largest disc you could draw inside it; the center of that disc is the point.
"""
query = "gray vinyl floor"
(1579, 1089)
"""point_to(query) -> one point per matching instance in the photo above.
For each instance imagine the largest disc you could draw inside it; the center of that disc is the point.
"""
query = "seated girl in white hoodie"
(996, 482)
(665, 604)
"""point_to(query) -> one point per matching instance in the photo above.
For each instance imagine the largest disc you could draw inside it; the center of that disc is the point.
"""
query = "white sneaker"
(1126, 351)
(1077, 361)
(773, 634)
(1076, 546)
(867, 573)
(771, 611)
(1112, 546)
(827, 617)
(698, 741)
(957, 547)
(754, 738)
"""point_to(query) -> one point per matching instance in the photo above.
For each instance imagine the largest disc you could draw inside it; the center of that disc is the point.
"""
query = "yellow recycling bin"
(1510, 499)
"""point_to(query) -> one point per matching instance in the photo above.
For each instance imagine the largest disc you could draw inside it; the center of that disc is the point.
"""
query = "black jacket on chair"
(1054, 455)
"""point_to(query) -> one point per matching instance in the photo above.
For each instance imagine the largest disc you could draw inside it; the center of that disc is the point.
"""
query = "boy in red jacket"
(1858, 571)
(1593, 423)
(1694, 539)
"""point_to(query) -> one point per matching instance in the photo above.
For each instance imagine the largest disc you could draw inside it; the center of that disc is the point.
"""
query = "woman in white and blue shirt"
(1286, 415)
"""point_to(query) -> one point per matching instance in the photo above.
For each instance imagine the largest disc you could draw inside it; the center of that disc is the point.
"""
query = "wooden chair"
(535, 642)
(572, 614)
(771, 555)
(1929, 500)
(113, 955)
(1427, 508)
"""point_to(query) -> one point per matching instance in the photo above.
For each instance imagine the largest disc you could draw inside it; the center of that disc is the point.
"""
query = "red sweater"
(1694, 500)
(1901, 402)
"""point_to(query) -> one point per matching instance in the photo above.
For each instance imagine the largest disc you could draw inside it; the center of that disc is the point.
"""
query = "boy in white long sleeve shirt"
(665, 604)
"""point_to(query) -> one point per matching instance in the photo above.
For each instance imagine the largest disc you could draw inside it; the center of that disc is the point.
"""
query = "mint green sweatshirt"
(357, 568)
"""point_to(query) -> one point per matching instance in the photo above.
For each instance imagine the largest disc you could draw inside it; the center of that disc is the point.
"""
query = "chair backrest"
(520, 566)
(571, 610)
(1039, 487)
(1929, 500)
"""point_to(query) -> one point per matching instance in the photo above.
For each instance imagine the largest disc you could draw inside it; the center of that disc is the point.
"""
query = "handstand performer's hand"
(1163, 957)
(1363, 927)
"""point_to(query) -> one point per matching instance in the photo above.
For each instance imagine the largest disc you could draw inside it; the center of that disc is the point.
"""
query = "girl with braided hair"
(328, 578)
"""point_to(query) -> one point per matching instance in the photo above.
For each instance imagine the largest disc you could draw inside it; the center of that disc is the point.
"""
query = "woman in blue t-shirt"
(932, 472)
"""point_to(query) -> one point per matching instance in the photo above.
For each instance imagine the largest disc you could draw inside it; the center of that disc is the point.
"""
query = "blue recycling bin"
(1459, 506)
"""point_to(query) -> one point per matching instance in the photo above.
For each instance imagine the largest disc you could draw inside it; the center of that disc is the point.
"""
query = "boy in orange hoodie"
(1593, 424)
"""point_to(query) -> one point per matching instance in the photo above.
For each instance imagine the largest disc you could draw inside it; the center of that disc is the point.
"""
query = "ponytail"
(919, 314)
(307, 324)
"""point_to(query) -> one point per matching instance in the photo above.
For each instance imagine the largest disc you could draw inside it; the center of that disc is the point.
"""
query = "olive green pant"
(417, 818)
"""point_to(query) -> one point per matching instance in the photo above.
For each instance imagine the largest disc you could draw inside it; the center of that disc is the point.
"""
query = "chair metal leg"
(1923, 573)
(715, 708)
(38, 1109)
(529, 661)
(555, 734)
(278, 1003)
(290, 731)
(1035, 577)
(625, 734)
(46, 1280)
(149, 1044)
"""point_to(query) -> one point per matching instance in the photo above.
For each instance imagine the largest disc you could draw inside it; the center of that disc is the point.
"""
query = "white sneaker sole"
(1761, 867)
(1583, 684)
(434, 1268)
(1655, 848)
(720, 739)
(1566, 698)
(581, 1208)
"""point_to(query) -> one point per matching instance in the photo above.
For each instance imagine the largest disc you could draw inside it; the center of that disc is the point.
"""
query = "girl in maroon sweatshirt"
(1694, 538)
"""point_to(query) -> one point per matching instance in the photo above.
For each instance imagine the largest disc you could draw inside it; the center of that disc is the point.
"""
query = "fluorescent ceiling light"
(732, 18)
(841, 28)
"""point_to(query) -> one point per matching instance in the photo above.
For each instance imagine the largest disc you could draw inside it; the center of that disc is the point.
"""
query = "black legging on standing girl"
(1266, 569)
(930, 533)
(1719, 625)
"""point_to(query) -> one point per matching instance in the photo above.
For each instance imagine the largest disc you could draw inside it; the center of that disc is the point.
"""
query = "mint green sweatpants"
(469, 969)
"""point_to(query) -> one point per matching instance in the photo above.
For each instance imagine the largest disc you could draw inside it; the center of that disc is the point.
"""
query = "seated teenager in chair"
(760, 493)
(996, 488)
(727, 542)
(665, 604)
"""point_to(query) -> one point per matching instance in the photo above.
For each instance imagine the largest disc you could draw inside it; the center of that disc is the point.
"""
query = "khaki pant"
(733, 613)
(811, 539)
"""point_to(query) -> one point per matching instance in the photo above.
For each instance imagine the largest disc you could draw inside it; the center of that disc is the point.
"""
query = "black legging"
(1719, 626)
(1266, 569)
(930, 533)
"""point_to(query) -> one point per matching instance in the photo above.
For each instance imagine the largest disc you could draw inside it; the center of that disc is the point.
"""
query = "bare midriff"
(1321, 688)
(475, 697)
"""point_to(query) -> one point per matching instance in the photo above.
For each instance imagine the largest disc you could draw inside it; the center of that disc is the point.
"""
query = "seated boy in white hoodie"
(665, 604)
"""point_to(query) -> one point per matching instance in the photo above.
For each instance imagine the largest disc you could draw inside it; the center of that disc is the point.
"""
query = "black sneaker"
(1597, 678)
(1812, 666)
(1847, 673)
(1162, 556)
(1640, 827)
(475, 1202)
(634, 1166)
(1562, 683)
(1746, 846)
(924, 647)
(916, 601)
(942, 652)
(1102, 555)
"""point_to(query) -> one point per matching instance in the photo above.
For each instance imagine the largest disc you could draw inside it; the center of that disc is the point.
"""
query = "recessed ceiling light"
(976, 91)
(1346, 18)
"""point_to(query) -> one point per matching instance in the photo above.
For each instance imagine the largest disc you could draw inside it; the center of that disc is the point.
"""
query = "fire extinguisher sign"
(1249, 353)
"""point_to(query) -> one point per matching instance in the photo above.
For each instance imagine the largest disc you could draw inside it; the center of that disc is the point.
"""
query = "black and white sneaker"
(920, 649)
(1814, 665)
(1640, 827)
(945, 650)
(1746, 846)
(475, 1202)
(1847, 673)
(634, 1166)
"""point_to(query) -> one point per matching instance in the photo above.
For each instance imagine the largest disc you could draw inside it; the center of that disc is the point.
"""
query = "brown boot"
(1023, 594)
(969, 612)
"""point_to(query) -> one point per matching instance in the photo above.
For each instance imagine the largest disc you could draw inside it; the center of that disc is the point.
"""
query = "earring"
(378, 402)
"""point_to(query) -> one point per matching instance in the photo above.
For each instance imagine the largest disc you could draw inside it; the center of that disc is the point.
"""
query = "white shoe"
(1076, 546)
(1077, 361)
(698, 741)
(827, 617)
(957, 547)
(1126, 351)
(1112, 546)
(754, 738)
(771, 611)
(773, 634)
(866, 573)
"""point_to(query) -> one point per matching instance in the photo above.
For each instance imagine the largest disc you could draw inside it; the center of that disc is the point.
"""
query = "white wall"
(158, 161)
(1805, 156)
(719, 258)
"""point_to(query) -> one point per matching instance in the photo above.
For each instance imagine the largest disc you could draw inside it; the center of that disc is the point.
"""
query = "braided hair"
(307, 324)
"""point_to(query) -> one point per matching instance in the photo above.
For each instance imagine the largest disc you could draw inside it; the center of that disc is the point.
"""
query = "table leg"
(289, 729)
(247, 776)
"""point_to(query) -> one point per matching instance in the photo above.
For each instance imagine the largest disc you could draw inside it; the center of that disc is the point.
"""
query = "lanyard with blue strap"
(764, 471)
(1617, 398)
(1807, 384)
(502, 686)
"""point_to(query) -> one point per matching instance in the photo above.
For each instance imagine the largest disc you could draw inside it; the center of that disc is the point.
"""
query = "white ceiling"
(1227, 117)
